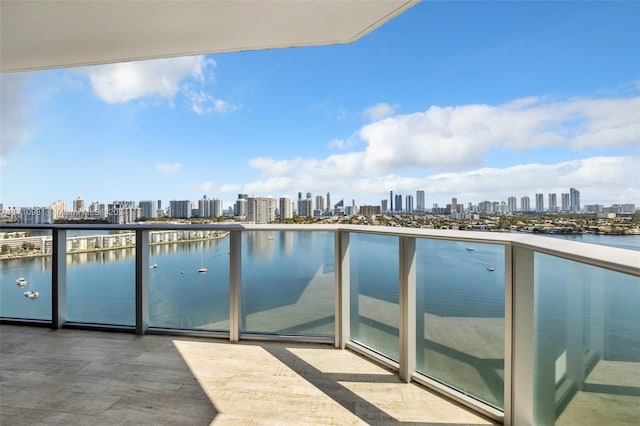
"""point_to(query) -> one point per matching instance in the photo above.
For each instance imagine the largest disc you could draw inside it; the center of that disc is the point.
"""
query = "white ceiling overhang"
(44, 34)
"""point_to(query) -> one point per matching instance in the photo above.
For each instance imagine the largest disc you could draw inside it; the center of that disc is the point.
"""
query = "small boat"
(31, 294)
(182, 272)
(202, 270)
(154, 266)
(490, 268)
(470, 248)
(21, 282)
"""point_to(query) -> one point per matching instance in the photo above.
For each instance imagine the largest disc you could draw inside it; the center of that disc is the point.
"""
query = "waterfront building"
(180, 209)
(148, 209)
(539, 203)
(391, 200)
(121, 212)
(454, 206)
(36, 215)
(261, 209)
(525, 204)
(574, 196)
(285, 208)
(511, 204)
(59, 208)
(485, 207)
(305, 205)
(328, 202)
(217, 207)
(384, 205)
(338, 209)
(553, 203)
(240, 207)
(78, 205)
(319, 202)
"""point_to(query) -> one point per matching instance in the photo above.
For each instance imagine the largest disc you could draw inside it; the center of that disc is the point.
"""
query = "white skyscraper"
(285, 208)
(511, 204)
(261, 209)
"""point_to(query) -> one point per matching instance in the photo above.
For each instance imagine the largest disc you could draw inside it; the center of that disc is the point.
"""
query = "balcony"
(505, 328)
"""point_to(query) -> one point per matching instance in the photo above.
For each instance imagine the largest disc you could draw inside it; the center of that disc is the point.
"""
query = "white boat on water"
(154, 266)
(31, 294)
(470, 248)
(490, 268)
(21, 282)
(202, 270)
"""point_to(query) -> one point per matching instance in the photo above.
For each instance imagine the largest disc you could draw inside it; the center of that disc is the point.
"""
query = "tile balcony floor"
(77, 377)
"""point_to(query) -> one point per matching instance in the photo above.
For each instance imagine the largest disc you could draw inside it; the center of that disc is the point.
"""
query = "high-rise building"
(385, 205)
(59, 208)
(454, 206)
(261, 209)
(305, 205)
(328, 202)
(574, 196)
(512, 204)
(408, 203)
(420, 206)
(217, 207)
(338, 209)
(36, 215)
(148, 209)
(391, 200)
(78, 205)
(398, 202)
(319, 202)
(565, 199)
(121, 212)
(180, 209)
(285, 208)
(240, 207)
(205, 207)
(539, 203)
(553, 203)
(525, 204)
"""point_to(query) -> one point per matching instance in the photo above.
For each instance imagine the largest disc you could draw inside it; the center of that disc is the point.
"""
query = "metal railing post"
(59, 278)
(142, 281)
(407, 281)
(342, 289)
(522, 338)
(235, 285)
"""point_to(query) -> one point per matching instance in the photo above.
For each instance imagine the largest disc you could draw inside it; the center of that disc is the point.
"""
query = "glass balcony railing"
(460, 316)
(525, 329)
(287, 283)
(25, 267)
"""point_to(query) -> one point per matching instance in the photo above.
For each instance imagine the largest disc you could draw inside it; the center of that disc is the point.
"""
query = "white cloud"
(122, 82)
(170, 169)
(379, 111)
(205, 187)
(15, 128)
(600, 179)
(205, 103)
(159, 81)
(450, 138)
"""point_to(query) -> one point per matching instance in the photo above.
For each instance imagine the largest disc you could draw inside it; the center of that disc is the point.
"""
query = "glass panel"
(25, 270)
(288, 283)
(460, 316)
(375, 292)
(101, 277)
(189, 280)
(587, 344)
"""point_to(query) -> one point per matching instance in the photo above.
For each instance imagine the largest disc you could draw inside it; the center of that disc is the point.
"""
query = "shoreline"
(100, 249)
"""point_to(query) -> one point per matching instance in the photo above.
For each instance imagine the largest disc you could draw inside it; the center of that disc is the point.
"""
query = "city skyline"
(477, 101)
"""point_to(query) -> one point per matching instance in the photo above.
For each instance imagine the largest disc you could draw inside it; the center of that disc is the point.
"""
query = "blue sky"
(474, 100)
